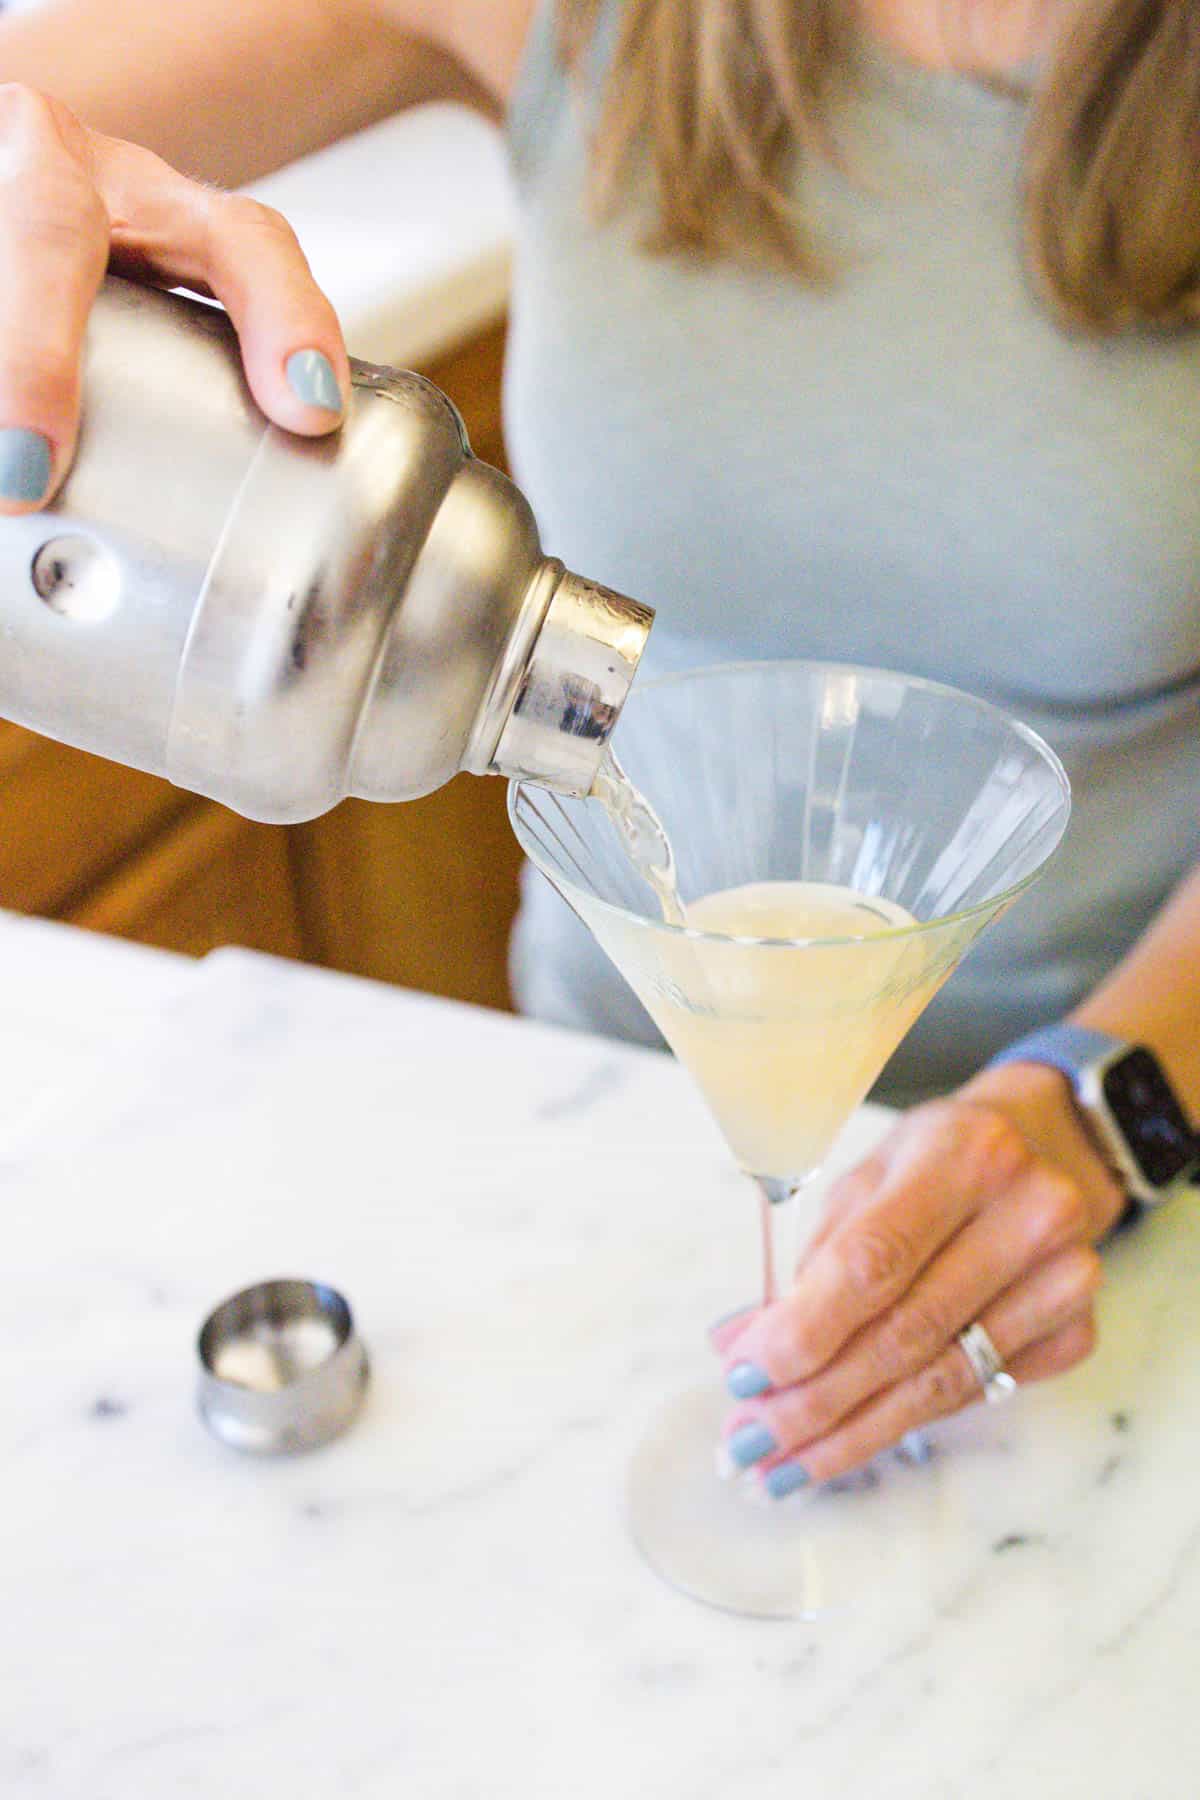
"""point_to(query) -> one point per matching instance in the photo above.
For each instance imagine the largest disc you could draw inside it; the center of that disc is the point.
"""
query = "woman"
(887, 304)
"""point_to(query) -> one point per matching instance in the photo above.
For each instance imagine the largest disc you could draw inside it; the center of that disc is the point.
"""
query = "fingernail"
(25, 463)
(749, 1444)
(915, 1447)
(784, 1479)
(746, 1380)
(311, 377)
(739, 1312)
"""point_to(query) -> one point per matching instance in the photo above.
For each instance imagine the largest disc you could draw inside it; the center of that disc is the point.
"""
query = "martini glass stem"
(778, 1218)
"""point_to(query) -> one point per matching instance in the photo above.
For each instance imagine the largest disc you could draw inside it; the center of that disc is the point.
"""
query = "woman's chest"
(916, 467)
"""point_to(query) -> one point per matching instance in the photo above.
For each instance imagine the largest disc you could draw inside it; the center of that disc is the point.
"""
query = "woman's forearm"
(1153, 996)
(226, 90)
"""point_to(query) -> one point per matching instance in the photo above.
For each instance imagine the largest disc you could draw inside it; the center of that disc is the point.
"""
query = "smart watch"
(1127, 1105)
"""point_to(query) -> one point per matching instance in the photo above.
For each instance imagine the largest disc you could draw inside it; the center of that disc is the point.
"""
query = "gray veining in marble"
(444, 1603)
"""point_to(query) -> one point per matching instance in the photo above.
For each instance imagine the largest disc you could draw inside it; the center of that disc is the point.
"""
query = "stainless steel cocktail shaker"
(278, 622)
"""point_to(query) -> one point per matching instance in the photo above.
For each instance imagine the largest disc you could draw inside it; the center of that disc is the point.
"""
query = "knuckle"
(912, 1336)
(50, 198)
(33, 122)
(933, 1118)
(1087, 1334)
(49, 376)
(858, 1183)
(25, 107)
(981, 1140)
(1078, 1340)
(988, 1142)
(1085, 1272)
(998, 1143)
(943, 1387)
(804, 1351)
(807, 1414)
(239, 212)
(1059, 1210)
(61, 216)
(874, 1260)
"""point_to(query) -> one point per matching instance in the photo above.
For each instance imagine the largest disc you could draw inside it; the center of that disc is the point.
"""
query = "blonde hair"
(717, 99)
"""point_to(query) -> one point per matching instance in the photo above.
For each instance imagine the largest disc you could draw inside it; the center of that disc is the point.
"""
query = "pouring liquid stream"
(643, 834)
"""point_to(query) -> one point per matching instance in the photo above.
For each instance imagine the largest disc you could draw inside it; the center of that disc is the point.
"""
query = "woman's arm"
(222, 90)
(226, 90)
(1153, 996)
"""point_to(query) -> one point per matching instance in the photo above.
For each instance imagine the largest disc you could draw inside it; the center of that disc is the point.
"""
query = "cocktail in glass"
(842, 837)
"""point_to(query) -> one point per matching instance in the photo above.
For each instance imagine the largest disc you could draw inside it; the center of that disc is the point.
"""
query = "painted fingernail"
(311, 378)
(25, 463)
(746, 1380)
(915, 1447)
(749, 1444)
(784, 1479)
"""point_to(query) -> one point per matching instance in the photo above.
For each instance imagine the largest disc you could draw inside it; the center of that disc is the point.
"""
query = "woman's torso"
(916, 468)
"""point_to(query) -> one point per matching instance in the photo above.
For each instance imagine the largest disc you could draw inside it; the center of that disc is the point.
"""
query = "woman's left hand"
(986, 1207)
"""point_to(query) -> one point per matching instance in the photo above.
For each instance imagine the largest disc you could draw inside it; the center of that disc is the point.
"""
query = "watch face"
(1152, 1124)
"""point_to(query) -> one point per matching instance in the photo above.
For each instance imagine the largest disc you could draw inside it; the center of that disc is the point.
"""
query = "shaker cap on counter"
(281, 1367)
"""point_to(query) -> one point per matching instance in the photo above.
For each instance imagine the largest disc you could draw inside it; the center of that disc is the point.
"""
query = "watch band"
(1067, 1047)
(1070, 1049)
(1085, 1057)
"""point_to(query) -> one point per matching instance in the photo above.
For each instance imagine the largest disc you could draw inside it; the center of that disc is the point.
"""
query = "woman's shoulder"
(487, 37)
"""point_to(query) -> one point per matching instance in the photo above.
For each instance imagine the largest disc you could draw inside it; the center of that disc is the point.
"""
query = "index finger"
(946, 1161)
(53, 248)
(175, 231)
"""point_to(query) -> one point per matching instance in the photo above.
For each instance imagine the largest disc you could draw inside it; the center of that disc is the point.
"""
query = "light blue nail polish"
(749, 1443)
(784, 1479)
(746, 1380)
(915, 1447)
(311, 377)
(25, 463)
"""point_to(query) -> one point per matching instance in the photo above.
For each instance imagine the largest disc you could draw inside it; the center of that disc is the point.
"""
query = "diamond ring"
(987, 1365)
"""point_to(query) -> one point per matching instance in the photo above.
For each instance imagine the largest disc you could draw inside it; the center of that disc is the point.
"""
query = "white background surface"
(533, 1229)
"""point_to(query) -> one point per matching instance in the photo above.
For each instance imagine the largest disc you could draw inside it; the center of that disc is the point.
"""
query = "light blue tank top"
(917, 469)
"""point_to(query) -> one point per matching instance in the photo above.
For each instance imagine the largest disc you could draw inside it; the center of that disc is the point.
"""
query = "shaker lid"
(281, 1367)
(573, 687)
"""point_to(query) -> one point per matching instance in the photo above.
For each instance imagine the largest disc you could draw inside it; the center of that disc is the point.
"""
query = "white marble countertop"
(532, 1229)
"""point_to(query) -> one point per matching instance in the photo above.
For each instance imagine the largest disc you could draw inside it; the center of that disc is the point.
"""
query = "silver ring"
(986, 1364)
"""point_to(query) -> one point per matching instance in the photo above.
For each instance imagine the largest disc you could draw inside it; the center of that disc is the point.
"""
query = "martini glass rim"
(782, 666)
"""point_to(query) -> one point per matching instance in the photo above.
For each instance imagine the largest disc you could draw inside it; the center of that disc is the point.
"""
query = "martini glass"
(914, 815)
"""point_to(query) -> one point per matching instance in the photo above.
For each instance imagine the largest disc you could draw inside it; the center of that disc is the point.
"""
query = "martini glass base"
(709, 1537)
(722, 1543)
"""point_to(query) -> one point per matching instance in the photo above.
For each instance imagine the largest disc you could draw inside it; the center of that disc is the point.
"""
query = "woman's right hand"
(74, 203)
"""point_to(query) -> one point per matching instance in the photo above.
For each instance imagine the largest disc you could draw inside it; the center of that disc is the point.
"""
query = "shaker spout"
(572, 686)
